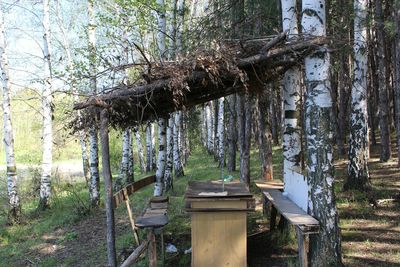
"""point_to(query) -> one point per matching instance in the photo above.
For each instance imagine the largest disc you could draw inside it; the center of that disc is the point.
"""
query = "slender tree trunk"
(168, 178)
(94, 187)
(139, 149)
(177, 159)
(14, 212)
(374, 84)
(210, 140)
(343, 103)
(45, 188)
(149, 149)
(124, 173)
(244, 126)
(232, 133)
(153, 149)
(358, 150)
(264, 138)
(291, 96)
(325, 248)
(397, 76)
(221, 134)
(384, 121)
(158, 188)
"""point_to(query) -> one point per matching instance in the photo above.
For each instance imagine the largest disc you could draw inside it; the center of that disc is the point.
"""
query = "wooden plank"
(120, 196)
(152, 249)
(195, 188)
(302, 247)
(154, 221)
(135, 254)
(219, 238)
(263, 185)
(158, 205)
(288, 209)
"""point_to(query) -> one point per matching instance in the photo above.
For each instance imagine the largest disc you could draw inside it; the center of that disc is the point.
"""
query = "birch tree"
(94, 186)
(221, 134)
(291, 94)
(168, 181)
(139, 149)
(358, 177)
(325, 248)
(14, 212)
(178, 168)
(231, 136)
(149, 148)
(45, 181)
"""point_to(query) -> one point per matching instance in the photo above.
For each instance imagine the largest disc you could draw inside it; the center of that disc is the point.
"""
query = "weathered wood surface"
(235, 190)
(151, 221)
(133, 104)
(135, 254)
(128, 190)
(269, 185)
(289, 210)
(219, 238)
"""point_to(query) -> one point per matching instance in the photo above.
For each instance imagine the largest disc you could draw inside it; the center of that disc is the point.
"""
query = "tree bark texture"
(244, 137)
(325, 248)
(358, 177)
(149, 149)
(139, 149)
(264, 138)
(14, 211)
(291, 97)
(231, 136)
(168, 177)
(111, 252)
(178, 168)
(397, 76)
(221, 133)
(384, 107)
(45, 187)
(159, 185)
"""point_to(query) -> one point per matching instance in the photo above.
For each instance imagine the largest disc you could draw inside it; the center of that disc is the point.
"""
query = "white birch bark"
(358, 143)
(325, 248)
(159, 185)
(14, 212)
(168, 181)
(177, 158)
(180, 25)
(221, 134)
(45, 181)
(139, 149)
(94, 186)
(291, 94)
(210, 131)
(153, 148)
(149, 149)
(162, 29)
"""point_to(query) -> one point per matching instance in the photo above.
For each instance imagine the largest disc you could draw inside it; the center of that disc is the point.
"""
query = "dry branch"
(202, 77)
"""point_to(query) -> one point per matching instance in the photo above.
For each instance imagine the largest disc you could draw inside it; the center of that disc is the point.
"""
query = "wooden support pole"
(303, 247)
(111, 253)
(135, 254)
(128, 208)
(152, 249)
(272, 223)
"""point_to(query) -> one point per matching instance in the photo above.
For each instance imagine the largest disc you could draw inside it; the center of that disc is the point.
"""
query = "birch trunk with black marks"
(384, 121)
(178, 168)
(149, 148)
(210, 141)
(139, 149)
(397, 76)
(14, 211)
(291, 96)
(124, 174)
(168, 178)
(159, 185)
(231, 136)
(325, 247)
(47, 111)
(94, 186)
(161, 30)
(153, 148)
(358, 177)
(221, 134)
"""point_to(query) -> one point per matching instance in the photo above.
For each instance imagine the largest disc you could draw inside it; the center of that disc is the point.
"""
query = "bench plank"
(128, 190)
(288, 209)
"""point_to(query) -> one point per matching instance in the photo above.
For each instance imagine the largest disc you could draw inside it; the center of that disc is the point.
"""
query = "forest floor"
(70, 234)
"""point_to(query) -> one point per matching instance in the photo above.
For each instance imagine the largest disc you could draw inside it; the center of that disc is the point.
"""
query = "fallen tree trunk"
(213, 76)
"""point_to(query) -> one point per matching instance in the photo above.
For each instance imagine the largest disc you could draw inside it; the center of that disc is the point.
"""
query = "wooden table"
(219, 223)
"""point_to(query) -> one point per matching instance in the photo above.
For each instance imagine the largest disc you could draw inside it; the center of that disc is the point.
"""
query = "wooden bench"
(304, 223)
(154, 217)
